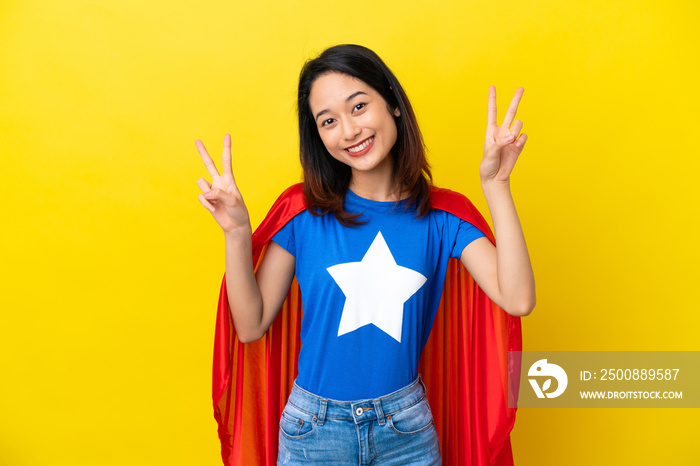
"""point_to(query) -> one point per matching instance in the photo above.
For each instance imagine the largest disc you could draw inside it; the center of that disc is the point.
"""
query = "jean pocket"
(413, 419)
(296, 424)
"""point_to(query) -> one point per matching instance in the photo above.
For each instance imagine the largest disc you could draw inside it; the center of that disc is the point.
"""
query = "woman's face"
(354, 122)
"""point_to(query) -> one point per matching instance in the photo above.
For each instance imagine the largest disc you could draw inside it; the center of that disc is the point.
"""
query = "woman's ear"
(397, 112)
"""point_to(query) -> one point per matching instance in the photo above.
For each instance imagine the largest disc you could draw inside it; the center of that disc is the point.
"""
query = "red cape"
(464, 364)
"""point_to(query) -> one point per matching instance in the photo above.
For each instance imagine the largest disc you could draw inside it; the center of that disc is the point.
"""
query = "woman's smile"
(362, 148)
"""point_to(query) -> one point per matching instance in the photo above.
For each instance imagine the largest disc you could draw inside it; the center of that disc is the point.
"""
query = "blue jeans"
(396, 429)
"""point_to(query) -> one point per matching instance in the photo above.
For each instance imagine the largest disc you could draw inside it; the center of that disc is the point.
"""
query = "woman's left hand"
(502, 146)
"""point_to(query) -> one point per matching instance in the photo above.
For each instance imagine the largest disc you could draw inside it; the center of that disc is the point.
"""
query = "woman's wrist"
(239, 233)
(491, 186)
(489, 181)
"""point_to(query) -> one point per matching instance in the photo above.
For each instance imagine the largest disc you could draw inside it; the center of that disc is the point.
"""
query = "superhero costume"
(370, 293)
(464, 364)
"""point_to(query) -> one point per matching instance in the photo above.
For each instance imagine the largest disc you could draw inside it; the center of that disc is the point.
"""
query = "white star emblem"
(375, 290)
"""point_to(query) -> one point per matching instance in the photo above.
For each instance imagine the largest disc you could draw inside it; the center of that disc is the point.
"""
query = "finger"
(504, 141)
(203, 185)
(205, 203)
(220, 195)
(513, 107)
(516, 128)
(226, 156)
(521, 141)
(208, 162)
(493, 151)
(492, 106)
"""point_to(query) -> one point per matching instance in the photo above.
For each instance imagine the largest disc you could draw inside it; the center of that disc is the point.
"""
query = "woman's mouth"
(361, 148)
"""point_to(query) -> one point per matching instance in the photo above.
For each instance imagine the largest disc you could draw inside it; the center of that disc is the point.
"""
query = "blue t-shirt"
(370, 293)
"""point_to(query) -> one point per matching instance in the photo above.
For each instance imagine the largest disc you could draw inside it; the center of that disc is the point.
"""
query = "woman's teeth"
(361, 146)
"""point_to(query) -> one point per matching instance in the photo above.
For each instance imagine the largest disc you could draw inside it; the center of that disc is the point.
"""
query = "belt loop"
(322, 412)
(380, 413)
(420, 380)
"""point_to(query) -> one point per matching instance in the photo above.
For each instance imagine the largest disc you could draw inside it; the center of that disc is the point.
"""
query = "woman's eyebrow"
(352, 96)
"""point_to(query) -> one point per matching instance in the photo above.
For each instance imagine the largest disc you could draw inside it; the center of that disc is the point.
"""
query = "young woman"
(370, 253)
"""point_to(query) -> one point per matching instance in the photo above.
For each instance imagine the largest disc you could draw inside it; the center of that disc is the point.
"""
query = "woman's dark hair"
(326, 180)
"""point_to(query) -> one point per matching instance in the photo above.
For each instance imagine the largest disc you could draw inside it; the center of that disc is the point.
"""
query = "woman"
(370, 253)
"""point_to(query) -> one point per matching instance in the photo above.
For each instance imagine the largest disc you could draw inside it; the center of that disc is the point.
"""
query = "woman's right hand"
(222, 197)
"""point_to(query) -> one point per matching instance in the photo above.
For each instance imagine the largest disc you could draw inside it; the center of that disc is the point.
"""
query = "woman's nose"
(350, 129)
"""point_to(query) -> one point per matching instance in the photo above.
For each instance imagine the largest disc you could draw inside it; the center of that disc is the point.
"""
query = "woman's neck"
(376, 187)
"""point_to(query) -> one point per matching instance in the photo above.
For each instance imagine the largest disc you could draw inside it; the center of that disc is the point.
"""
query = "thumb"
(504, 141)
(220, 195)
(494, 150)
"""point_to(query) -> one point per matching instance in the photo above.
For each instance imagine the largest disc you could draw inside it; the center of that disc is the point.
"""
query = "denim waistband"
(357, 411)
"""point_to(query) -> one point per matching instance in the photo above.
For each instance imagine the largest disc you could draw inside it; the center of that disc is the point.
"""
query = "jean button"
(359, 411)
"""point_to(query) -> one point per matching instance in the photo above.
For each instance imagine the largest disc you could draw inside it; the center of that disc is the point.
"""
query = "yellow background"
(111, 268)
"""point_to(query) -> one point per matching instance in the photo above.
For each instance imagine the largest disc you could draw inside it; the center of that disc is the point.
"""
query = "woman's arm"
(503, 272)
(254, 300)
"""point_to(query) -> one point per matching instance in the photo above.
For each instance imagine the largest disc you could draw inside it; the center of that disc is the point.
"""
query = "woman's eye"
(359, 106)
(327, 122)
